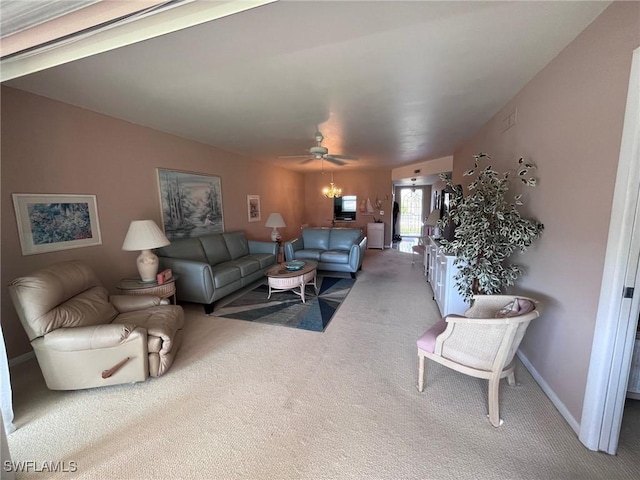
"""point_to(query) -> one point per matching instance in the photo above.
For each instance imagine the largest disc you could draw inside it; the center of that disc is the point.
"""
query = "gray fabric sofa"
(213, 266)
(335, 249)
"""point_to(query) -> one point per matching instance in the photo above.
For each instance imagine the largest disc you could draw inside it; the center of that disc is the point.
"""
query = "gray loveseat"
(213, 266)
(335, 249)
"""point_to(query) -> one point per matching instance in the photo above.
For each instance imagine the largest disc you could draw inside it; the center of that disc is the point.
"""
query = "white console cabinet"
(440, 276)
(375, 235)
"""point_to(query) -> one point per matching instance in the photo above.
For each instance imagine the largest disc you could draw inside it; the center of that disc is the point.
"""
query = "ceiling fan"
(319, 152)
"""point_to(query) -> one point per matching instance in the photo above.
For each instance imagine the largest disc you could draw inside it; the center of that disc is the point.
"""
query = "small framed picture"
(253, 207)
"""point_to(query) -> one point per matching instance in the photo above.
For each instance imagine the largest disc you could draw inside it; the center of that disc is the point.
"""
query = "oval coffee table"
(281, 279)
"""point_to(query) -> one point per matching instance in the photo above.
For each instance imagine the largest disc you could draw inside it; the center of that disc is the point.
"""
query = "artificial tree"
(488, 228)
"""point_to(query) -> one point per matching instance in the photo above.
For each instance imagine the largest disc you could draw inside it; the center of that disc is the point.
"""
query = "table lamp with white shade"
(144, 235)
(432, 221)
(275, 220)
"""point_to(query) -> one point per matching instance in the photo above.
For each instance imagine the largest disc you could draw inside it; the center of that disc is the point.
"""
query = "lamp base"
(275, 235)
(147, 263)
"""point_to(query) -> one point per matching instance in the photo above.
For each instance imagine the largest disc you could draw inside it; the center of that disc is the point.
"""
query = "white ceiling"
(394, 83)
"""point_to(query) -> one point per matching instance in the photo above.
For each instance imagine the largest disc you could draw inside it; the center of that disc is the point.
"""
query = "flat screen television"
(344, 208)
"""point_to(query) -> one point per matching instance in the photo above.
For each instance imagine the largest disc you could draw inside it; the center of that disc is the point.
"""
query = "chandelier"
(332, 191)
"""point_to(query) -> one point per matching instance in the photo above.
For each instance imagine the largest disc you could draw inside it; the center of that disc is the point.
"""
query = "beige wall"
(569, 122)
(51, 147)
(363, 184)
(427, 168)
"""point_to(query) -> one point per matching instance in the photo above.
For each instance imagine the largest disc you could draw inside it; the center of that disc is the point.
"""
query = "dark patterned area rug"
(286, 308)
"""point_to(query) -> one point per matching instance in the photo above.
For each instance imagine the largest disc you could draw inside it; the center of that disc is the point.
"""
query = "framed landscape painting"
(191, 203)
(48, 223)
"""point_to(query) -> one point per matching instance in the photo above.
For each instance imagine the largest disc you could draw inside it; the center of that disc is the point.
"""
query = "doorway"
(619, 304)
(411, 202)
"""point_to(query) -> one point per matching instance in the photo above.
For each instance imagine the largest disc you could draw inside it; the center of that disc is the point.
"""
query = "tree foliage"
(488, 228)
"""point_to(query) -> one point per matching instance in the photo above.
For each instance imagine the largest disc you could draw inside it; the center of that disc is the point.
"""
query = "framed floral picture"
(253, 207)
(191, 203)
(48, 223)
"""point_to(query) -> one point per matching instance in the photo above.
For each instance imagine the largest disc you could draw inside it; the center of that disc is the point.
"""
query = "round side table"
(134, 286)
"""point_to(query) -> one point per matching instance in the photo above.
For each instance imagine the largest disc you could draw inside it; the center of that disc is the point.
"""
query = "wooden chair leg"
(494, 404)
(421, 373)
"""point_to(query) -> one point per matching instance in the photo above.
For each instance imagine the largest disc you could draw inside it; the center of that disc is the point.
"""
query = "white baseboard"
(21, 358)
(573, 423)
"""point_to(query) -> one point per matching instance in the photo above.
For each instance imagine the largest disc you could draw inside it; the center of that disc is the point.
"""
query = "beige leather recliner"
(83, 338)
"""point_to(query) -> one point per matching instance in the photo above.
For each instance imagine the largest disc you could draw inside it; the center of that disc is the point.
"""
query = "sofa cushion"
(246, 265)
(162, 321)
(520, 306)
(427, 341)
(343, 238)
(225, 273)
(66, 294)
(187, 248)
(237, 244)
(315, 238)
(215, 248)
(335, 256)
(91, 307)
(264, 259)
(308, 254)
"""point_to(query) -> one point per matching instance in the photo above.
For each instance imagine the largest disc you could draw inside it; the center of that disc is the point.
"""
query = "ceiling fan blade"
(294, 156)
(307, 160)
(345, 157)
(335, 161)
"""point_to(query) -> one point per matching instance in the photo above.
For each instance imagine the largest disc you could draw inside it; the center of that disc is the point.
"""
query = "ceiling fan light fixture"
(318, 152)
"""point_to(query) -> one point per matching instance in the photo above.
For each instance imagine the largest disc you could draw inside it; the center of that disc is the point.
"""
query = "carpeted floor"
(251, 401)
(286, 308)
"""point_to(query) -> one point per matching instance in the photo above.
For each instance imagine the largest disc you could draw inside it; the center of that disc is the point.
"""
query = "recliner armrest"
(93, 337)
(130, 303)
